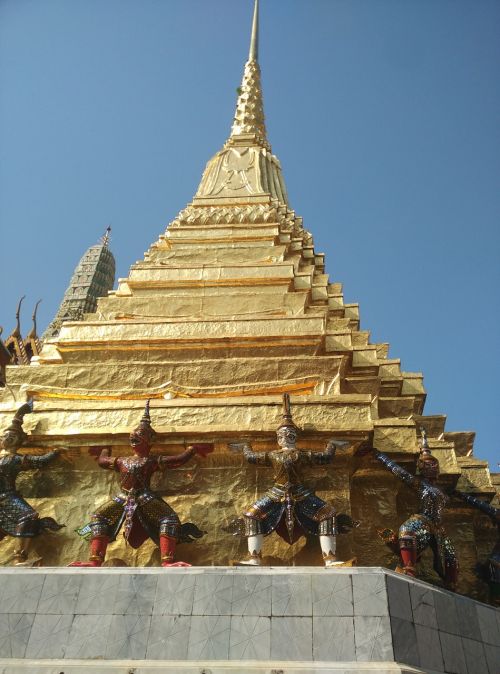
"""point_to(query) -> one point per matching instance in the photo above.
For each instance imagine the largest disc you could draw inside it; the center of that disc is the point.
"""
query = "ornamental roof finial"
(17, 329)
(32, 343)
(14, 343)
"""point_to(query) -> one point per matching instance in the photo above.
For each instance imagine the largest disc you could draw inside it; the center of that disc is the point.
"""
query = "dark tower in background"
(93, 277)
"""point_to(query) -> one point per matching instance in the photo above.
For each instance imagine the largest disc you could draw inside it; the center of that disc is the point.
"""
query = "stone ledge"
(343, 620)
(197, 667)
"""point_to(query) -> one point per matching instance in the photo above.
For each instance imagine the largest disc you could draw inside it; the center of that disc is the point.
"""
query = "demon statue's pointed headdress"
(16, 425)
(426, 460)
(424, 444)
(287, 415)
(145, 422)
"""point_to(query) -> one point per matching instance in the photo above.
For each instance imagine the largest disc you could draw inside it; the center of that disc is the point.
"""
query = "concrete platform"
(215, 620)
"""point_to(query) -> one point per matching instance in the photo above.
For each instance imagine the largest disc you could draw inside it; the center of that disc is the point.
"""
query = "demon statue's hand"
(66, 453)
(334, 444)
(96, 451)
(238, 447)
(203, 449)
(367, 450)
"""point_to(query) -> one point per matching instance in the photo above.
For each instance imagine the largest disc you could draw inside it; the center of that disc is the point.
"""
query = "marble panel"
(492, 658)
(373, 638)
(429, 648)
(453, 653)
(88, 636)
(488, 624)
(333, 639)
(468, 621)
(49, 636)
(209, 637)
(332, 595)
(475, 657)
(291, 638)
(446, 613)
(398, 592)
(291, 595)
(174, 594)
(128, 637)
(250, 638)
(97, 593)
(135, 594)
(168, 637)
(422, 602)
(59, 594)
(15, 631)
(20, 593)
(251, 595)
(213, 594)
(404, 641)
(369, 593)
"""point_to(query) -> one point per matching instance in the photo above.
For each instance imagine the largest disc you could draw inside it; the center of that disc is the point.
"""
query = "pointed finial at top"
(249, 116)
(107, 235)
(253, 54)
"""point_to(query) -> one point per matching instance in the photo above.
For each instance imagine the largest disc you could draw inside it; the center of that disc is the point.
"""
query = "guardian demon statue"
(289, 507)
(424, 529)
(141, 512)
(17, 517)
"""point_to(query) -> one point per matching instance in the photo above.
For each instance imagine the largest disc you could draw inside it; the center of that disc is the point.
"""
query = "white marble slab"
(230, 614)
(193, 667)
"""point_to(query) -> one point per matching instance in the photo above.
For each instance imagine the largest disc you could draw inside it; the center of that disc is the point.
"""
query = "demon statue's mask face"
(428, 467)
(141, 440)
(287, 436)
(12, 440)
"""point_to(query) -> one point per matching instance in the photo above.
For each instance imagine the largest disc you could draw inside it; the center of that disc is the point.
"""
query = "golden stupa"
(230, 308)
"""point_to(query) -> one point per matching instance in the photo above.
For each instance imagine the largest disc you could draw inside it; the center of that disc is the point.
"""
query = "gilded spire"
(253, 54)
(249, 115)
(245, 168)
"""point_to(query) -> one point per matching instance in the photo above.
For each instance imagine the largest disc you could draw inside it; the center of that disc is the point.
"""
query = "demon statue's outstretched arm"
(396, 469)
(32, 462)
(322, 458)
(257, 458)
(177, 460)
(483, 506)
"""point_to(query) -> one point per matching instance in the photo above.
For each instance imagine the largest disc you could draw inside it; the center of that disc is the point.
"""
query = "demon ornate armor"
(489, 570)
(423, 529)
(141, 512)
(289, 507)
(17, 517)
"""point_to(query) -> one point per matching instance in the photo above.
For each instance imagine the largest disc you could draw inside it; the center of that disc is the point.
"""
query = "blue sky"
(384, 114)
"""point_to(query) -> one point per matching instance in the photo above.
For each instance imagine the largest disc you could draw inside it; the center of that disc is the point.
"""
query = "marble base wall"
(273, 619)
(207, 667)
